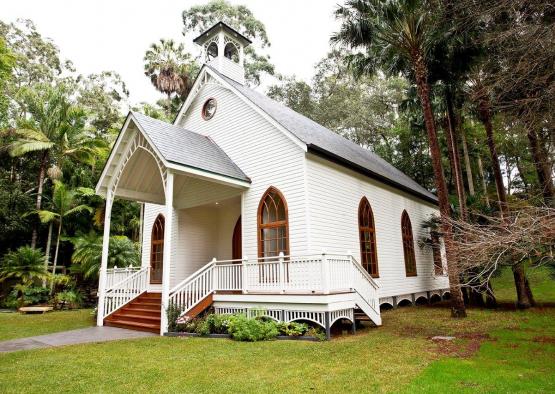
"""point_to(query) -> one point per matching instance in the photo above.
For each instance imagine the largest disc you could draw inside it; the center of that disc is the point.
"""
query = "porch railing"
(133, 284)
(116, 275)
(323, 274)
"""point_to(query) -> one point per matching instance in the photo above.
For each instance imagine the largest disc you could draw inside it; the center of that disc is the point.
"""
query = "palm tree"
(24, 264)
(64, 203)
(170, 68)
(397, 35)
(56, 130)
(87, 253)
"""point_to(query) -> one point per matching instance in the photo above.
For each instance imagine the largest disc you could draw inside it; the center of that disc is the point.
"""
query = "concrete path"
(73, 337)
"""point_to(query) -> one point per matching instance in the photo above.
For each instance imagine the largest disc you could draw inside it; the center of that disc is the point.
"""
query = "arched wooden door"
(157, 250)
(237, 243)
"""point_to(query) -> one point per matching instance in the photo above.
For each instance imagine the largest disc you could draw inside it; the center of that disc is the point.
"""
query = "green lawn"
(16, 325)
(495, 351)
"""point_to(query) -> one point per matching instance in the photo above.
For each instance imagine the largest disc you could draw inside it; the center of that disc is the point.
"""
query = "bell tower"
(223, 48)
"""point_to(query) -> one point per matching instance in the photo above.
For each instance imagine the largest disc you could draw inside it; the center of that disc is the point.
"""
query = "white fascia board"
(206, 175)
(112, 153)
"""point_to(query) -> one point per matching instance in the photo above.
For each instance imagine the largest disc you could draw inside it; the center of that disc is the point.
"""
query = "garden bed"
(228, 336)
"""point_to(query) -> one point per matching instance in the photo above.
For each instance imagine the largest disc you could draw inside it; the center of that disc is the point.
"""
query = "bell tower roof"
(221, 26)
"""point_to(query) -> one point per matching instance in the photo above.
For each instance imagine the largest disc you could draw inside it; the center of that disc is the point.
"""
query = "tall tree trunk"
(543, 168)
(421, 72)
(521, 172)
(521, 283)
(47, 251)
(56, 255)
(38, 204)
(485, 118)
(483, 178)
(454, 158)
(524, 294)
(468, 167)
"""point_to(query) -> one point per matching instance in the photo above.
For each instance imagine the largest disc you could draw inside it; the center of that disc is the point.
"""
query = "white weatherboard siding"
(200, 234)
(265, 154)
(335, 193)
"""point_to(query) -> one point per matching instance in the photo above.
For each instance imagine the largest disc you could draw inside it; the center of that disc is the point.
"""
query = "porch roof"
(184, 147)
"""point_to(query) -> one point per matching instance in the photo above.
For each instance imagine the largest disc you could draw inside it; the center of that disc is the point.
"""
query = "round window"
(209, 109)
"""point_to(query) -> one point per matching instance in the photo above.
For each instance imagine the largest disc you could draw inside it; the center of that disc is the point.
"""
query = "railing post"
(351, 270)
(244, 264)
(281, 273)
(325, 273)
(214, 275)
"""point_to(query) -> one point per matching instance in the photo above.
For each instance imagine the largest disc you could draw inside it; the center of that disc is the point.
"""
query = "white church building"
(249, 206)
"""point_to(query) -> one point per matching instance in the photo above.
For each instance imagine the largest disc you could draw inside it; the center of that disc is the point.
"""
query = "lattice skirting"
(281, 315)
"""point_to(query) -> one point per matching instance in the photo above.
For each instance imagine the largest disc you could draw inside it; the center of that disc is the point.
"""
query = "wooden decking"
(143, 314)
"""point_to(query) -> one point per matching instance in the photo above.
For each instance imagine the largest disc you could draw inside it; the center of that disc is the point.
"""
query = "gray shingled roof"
(184, 147)
(324, 141)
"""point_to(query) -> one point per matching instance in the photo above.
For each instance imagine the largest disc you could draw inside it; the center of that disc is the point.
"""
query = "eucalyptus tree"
(55, 129)
(397, 36)
(7, 62)
(200, 18)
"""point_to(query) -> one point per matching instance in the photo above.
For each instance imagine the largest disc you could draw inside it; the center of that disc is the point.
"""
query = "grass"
(495, 351)
(15, 325)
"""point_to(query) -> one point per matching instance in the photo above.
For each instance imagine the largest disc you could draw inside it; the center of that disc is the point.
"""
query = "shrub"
(173, 313)
(23, 295)
(71, 298)
(316, 332)
(292, 329)
(242, 328)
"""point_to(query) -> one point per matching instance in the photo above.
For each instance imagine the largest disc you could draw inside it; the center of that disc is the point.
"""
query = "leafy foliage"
(24, 264)
(87, 253)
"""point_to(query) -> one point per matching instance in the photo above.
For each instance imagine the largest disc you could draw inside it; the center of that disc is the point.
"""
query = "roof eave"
(201, 38)
(362, 170)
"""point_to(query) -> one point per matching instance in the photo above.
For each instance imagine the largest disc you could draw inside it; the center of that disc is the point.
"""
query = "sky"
(113, 35)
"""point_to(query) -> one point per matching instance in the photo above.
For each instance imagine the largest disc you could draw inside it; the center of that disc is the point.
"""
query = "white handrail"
(125, 290)
(193, 289)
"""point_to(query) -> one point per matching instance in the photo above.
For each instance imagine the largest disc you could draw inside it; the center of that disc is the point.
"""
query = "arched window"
(408, 245)
(212, 51)
(157, 250)
(231, 52)
(367, 235)
(273, 225)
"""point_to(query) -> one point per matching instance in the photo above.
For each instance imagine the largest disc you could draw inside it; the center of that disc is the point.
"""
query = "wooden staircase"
(142, 314)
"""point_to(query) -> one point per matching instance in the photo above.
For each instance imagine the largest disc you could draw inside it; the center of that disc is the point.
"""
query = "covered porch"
(192, 191)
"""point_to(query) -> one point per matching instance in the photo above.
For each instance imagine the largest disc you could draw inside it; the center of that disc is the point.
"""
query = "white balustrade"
(133, 284)
(116, 275)
(194, 289)
(323, 274)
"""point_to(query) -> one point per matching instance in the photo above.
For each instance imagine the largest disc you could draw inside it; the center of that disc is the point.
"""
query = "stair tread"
(133, 316)
(134, 323)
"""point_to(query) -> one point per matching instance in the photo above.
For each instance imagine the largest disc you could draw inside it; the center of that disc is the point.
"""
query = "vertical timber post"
(328, 327)
(167, 252)
(281, 273)
(104, 259)
(244, 264)
(325, 273)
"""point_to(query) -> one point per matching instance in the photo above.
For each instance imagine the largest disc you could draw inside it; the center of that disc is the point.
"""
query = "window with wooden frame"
(367, 237)
(157, 250)
(408, 245)
(273, 224)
